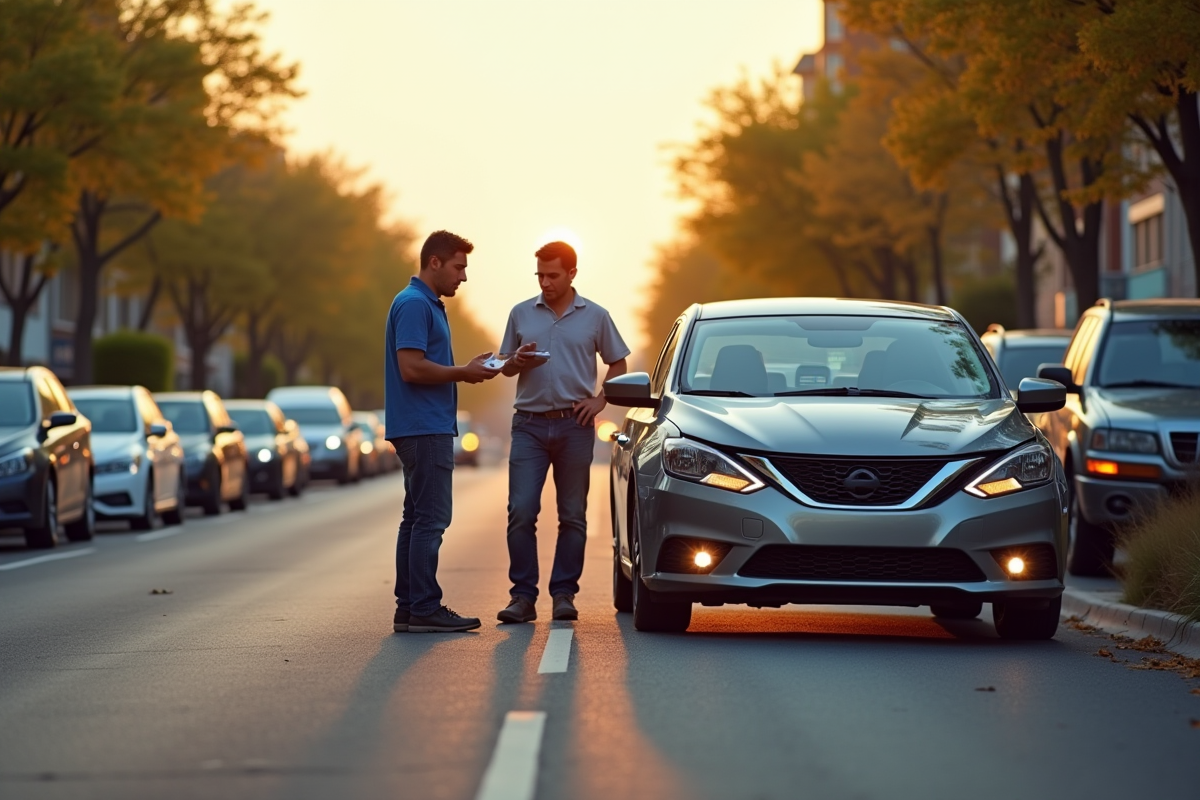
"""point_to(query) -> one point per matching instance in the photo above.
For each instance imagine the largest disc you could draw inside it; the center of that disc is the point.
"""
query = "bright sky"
(505, 120)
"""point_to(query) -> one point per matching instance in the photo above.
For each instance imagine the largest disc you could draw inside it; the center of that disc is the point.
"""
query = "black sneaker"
(444, 619)
(520, 609)
(400, 621)
(564, 607)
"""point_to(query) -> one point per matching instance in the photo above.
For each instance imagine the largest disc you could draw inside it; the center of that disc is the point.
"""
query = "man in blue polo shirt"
(421, 401)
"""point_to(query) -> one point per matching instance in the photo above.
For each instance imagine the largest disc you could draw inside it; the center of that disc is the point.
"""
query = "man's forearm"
(423, 370)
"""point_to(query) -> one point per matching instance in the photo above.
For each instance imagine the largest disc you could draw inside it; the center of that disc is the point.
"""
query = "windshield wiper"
(851, 391)
(1147, 384)
(720, 393)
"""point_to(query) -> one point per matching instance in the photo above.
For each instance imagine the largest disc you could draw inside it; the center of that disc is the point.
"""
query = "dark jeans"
(428, 463)
(537, 445)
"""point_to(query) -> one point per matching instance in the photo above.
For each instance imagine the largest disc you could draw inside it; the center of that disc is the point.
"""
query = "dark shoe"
(519, 610)
(444, 619)
(564, 607)
(400, 621)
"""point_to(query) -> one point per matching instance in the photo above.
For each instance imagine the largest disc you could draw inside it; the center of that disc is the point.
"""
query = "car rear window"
(314, 415)
(252, 421)
(187, 416)
(1022, 361)
(109, 414)
(765, 356)
(16, 404)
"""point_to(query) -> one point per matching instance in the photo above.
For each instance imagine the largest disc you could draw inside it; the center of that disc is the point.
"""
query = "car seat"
(739, 368)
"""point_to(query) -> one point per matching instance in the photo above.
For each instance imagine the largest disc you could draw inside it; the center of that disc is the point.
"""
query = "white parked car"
(139, 472)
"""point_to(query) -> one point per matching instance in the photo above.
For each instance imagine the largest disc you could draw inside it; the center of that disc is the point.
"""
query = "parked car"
(45, 459)
(466, 443)
(392, 461)
(215, 458)
(273, 442)
(374, 446)
(323, 414)
(139, 465)
(834, 451)
(1019, 353)
(1128, 433)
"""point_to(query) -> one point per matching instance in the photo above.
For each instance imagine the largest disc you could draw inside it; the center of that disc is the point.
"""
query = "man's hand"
(522, 359)
(586, 410)
(475, 372)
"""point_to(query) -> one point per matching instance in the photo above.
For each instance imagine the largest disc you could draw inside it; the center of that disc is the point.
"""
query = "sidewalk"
(1097, 601)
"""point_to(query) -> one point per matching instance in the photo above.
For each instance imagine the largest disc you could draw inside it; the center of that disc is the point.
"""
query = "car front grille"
(840, 481)
(116, 499)
(867, 564)
(1184, 445)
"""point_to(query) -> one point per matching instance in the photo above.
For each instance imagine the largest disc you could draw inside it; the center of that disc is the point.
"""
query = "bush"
(986, 300)
(128, 358)
(1164, 556)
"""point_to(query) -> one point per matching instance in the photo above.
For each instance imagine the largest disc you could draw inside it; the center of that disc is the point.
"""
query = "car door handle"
(621, 439)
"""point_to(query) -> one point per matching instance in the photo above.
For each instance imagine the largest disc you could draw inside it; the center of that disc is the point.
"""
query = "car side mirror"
(1059, 374)
(630, 391)
(61, 418)
(1036, 395)
(157, 429)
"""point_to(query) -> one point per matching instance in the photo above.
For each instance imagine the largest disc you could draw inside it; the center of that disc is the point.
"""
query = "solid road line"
(29, 562)
(512, 772)
(557, 652)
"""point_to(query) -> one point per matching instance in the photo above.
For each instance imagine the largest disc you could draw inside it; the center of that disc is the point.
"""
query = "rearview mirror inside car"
(1059, 374)
(1037, 395)
(630, 391)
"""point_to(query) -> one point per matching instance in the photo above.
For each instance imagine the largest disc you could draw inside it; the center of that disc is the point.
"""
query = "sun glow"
(560, 234)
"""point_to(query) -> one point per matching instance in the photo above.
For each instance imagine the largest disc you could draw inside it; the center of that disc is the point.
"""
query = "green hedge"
(128, 358)
(986, 300)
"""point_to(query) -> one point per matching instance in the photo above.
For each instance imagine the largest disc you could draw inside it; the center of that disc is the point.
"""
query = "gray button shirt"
(573, 340)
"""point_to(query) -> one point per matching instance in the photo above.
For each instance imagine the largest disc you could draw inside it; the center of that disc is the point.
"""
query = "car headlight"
(265, 455)
(1115, 440)
(333, 443)
(1030, 466)
(699, 463)
(16, 464)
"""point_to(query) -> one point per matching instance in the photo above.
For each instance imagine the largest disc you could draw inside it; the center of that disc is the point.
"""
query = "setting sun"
(560, 234)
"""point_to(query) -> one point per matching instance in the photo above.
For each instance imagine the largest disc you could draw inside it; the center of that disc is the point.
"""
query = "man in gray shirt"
(553, 426)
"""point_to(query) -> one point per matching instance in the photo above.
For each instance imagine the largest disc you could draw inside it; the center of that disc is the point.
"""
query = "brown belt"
(561, 413)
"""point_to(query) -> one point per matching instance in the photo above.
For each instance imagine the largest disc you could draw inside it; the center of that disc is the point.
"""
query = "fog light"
(703, 560)
(1015, 566)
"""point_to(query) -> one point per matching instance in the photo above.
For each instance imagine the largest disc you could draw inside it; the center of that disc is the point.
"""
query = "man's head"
(555, 270)
(444, 262)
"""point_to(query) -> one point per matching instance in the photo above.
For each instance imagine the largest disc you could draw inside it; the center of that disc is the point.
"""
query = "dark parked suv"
(1128, 434)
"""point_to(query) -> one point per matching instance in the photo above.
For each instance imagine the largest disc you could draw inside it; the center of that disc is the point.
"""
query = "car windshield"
(1162, 353)
(1022, 361)
(187, 416)
(109, 414)
(882, 356)
(253, 421)
(16, 404)
(327, 415)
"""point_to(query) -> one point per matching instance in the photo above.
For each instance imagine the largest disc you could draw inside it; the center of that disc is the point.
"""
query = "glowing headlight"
(365, 448)
(699, 463)
(1118, 441)
(470, 442)
(333, 443)
(265, 455)
(1028, 467)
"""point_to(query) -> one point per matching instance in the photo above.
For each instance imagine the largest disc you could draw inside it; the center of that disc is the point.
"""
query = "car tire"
(212, 503)
(149, 518)
(1027, 623)
(84, 528)
(958, 610)
(277, 490)
(1092, 546)
(650, 612)
(343, 476)
(622, 587)
(242, 501)
(45, 536)
(175, 515)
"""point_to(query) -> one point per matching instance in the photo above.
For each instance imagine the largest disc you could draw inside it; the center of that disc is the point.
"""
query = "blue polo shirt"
(417, 321)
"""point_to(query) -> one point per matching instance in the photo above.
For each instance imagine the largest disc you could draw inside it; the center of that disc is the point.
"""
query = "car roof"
(248, 402)
(13, 373)
(1033, 336)
(99, 391)
(1160, 307)
(820, 306)
(196, 396)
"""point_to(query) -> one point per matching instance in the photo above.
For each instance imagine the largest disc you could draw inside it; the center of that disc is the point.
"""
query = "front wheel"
(1027, 623)
(1092, 546)
(149, 518)
(242, 501)
(622, 586)
(212, 502)
(650, 611)
(45, 536)
(175, 515)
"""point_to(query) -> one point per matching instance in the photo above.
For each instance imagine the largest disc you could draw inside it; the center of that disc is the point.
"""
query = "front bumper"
(974, 526)
(264, 475)
(328, 463)
(22, 501)
(119, 494)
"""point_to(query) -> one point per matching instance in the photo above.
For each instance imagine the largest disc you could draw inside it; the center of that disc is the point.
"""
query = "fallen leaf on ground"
(1196, 723)
(1078, 624)
(1195, 691)
(1103, 653)
(985, 688)
(162, 591)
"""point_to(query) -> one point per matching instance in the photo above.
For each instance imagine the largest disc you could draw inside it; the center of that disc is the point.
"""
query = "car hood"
(16, 438)
(852, 426)
(112, 446)
(315, 434)
(194, 443)
(1146, 405)
(259, 441)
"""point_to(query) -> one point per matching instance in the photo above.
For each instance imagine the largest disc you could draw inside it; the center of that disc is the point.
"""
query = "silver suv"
(1128, 434)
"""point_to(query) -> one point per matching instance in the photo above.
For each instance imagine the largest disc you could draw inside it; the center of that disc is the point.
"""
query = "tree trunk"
(1080, 248)
(1027, 254)
(20, 298)
(149, 303)
(202, 326)
(293, 352)
(260, 335)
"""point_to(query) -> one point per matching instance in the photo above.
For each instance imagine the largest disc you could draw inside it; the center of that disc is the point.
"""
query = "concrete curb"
(1181, 634)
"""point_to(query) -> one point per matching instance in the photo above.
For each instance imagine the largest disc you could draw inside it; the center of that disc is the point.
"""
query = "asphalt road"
(270, 670)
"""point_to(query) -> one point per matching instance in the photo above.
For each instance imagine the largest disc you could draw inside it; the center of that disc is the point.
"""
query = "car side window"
(658, 383)
(1075, 349)
(1086, 351)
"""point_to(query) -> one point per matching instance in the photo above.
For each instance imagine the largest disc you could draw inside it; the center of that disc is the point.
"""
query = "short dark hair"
(553, 250)
(444, 245)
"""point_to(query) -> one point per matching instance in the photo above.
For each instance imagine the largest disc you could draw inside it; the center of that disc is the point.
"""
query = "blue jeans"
(537, 445)
(428, 463)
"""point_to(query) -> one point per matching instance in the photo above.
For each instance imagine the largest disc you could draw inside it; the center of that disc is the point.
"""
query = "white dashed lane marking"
(512, 772)
(161, 534)
(558, 651)
(29, 562)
